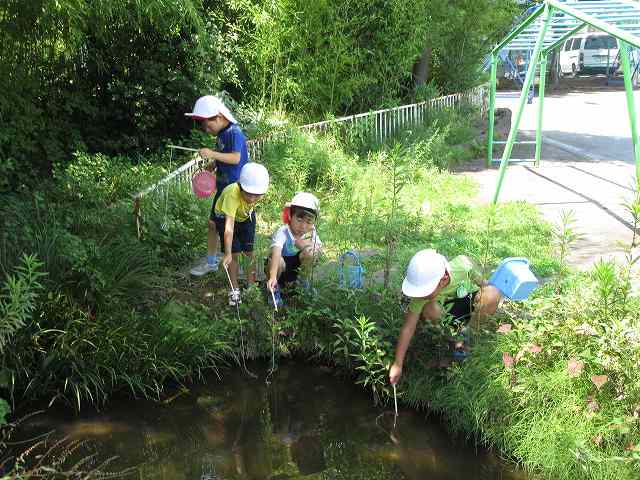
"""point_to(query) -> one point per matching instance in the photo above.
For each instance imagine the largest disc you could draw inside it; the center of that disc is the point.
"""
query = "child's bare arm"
(276, 255)
(406, 334)
(232, 158)
(229, 223)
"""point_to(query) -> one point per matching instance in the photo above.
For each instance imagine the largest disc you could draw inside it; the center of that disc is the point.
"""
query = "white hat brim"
(411, 290)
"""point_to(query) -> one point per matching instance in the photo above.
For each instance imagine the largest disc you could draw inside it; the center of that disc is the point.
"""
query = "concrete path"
(587, 167)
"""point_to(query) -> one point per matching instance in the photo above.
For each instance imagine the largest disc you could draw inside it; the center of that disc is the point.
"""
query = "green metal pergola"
(547, 28)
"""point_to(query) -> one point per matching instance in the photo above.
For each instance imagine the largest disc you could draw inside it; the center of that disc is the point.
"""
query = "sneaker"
(205, 267)
(234, 297)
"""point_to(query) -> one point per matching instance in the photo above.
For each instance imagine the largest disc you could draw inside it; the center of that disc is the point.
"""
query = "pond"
(305, 423)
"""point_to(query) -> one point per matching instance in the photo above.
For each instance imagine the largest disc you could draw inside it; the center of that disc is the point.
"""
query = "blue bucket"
(514, 279)
(351, 276)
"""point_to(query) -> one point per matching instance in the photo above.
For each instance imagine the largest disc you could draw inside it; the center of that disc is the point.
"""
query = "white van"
(588, 52)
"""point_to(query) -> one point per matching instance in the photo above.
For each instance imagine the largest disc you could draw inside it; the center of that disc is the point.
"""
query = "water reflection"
(305, 424)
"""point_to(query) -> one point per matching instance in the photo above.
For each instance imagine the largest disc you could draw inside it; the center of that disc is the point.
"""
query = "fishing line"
(273, 338)
(313, 251)
(395, 402)
(267, 380)
(242, 346)
(275, 304)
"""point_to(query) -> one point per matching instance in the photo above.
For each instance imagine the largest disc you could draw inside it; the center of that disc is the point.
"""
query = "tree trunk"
(422, 68)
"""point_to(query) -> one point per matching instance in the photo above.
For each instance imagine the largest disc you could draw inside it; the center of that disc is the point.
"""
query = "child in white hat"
(436, 285)
(229, 158)
(235, 221)
(295, 244)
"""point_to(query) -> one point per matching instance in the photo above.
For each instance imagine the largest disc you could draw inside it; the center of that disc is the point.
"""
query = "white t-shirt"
(284, 239)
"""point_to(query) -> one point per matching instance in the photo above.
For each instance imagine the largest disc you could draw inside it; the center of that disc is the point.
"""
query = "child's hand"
(272, 283)
(395, 372)
(207, 153)
(303, 243)
(226, 260)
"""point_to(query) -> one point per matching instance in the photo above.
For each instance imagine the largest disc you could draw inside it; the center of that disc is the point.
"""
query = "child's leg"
(233, 270)
(212, 233)
(244, 234)
(212, 239)
(306, 262)
(486, 303)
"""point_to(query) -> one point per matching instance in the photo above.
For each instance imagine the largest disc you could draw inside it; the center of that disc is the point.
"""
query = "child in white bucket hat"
(235, 221)
(436, 285)
(295, 244)
(229, 158)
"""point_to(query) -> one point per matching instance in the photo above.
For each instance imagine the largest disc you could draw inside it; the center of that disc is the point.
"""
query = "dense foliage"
(106, 297)
(116, 76)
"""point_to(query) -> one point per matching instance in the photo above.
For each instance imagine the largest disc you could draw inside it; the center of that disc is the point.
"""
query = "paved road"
(587, 167)
(596, 122)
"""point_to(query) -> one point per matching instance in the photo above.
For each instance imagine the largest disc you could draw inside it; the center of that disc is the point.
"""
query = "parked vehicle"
(589, 52)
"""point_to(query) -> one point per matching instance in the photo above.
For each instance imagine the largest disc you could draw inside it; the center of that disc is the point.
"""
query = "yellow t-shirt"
(461, 274)
(232, 204)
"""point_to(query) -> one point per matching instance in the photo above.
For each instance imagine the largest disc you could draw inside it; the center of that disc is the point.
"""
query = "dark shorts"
(219, 188)
(460, 309)
(292, 268)
(244, 233)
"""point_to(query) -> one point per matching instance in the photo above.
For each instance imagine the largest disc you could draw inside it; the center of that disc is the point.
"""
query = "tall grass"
(120, 315)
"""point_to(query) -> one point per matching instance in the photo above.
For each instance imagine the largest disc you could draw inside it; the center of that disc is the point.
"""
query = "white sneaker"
(234, 297)
(204, 267)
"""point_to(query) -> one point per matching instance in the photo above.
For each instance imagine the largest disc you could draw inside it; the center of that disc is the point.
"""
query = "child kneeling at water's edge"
(434, 285)
(295, 244)
(235, 221)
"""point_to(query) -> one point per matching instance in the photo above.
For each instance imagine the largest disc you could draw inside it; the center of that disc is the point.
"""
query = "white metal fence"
(379, 125)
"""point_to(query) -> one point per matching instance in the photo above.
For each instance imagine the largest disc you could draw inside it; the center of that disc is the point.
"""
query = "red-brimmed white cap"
(210, 106)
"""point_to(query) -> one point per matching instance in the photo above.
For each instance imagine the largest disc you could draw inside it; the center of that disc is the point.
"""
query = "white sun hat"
(254, 178)
(210, 106)
(305, 200)
(425, 270)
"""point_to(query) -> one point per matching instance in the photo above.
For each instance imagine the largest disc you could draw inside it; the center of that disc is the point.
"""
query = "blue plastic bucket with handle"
(351, 276)
(514, 278)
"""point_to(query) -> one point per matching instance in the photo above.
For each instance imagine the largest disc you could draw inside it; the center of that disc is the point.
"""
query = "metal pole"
(631, 104)
(492, 106)
(543, 75)
(523, 99)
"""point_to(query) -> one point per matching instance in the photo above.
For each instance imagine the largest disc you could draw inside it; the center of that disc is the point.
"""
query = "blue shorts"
(244, 233)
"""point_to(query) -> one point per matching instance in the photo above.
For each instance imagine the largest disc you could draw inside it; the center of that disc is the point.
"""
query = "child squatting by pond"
(294, 245)
(216, 119)
(436, 285)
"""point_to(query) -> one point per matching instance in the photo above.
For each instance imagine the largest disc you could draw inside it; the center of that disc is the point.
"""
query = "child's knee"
(489, 299)
(306, 256)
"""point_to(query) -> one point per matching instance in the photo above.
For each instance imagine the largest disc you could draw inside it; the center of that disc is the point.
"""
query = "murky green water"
(305, 424)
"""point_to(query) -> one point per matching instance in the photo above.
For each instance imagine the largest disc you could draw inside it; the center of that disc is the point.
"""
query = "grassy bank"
(96, 311)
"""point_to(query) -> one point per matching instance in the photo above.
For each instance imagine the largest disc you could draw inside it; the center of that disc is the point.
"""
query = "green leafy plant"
(19, 298)
(360, 340)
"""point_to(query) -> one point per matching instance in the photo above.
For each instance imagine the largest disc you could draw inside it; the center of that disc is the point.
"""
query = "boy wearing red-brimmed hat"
(295, 244)
(232, 154)
(436, 285)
